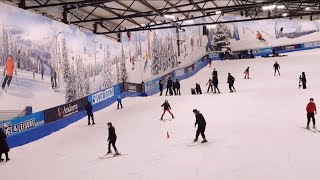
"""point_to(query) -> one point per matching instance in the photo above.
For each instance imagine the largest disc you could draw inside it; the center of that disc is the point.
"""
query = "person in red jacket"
(311, 111)
(166, 107)
(8, 72)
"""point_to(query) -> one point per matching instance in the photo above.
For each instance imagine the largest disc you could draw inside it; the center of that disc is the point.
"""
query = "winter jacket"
(4, 148)
(119, 99)
(215, 80)
(200, 121)
(166, 106)
(177, 85)
(160, 85)
(230, 79)
(112, 134)
(246, 71)
(169, 83)
(276, 66)
(215, 73)
(311, 108)
(259, 35)
(89, 108)
(209, 82)
(9, 66)
(198, 88)
(303, 79)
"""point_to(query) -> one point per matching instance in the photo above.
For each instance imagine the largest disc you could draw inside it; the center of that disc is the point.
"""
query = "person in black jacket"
(246, 73)
(276, 68)
(214, 73)
(177, 87)
(169, 86)
(201, 122)
(89, 113)
(112, 139)
(4, 148)
(198, 89)
(303, 79)
(231, 83)
(166, 107)
(215, 82)
(161, 87)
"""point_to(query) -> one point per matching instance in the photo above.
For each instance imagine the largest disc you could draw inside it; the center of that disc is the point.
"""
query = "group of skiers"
(172, 87)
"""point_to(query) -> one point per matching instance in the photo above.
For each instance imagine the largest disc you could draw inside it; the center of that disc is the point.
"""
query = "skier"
(311, 111)
(246, 73)
(4, 148)
(119, 101)
(160, 87)
(214, 73)
(193, 91)
(303, 80)
(89, 113)
(42, 72)
(210, 85)
(169, 86)
(112, 139)
(177, 87)
(201, 122)
(276, 68)
(259, 36)
(166, 107)
(8, 72)
(198, 89)
(231, 80)
(215, 82)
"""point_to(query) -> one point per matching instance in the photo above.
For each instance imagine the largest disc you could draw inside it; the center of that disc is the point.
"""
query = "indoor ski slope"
(254, 134)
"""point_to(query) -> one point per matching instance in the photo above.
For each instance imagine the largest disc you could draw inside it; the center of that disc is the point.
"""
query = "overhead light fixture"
(211, 26)
(218, 12)
(307, 8)
(281, 6)
(189, 21)
(270, 7)
(169, 16)
(285, 14)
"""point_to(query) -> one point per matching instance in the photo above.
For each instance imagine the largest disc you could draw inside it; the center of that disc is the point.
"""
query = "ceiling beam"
(90, 2)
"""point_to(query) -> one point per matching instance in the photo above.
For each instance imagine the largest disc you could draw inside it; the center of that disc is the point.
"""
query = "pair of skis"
(196, 143)
(109, 155)
(312, 130)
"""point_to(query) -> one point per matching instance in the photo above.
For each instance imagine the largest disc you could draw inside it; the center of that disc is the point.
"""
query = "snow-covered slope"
(256, 133)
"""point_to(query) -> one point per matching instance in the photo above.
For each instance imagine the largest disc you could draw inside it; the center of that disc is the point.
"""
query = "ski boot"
(117, 153)
(1, 159)
(109, 152)
(314, 126)
(89, 124)
(195, 140)
(93, 123)
(204, 141)
(8, 159)
(308, 128)
(161, 118)
(172, 117)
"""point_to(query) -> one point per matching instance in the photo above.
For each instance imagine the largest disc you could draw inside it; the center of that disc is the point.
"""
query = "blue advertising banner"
(22, 124)
(214, 56)
(104, 94)
(262, 51)
(311, 45)
(151, 84)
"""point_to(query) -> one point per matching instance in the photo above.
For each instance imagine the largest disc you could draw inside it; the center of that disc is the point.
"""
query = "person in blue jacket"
(89, 113)
(119, 101)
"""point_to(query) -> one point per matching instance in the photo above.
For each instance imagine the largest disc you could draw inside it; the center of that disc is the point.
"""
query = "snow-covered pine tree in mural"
(155, 65)
(123, 68)
(107, 69)
(221, 35)
(4, 46)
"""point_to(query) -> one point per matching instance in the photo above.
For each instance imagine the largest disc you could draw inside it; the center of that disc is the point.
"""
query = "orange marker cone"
(168, 136)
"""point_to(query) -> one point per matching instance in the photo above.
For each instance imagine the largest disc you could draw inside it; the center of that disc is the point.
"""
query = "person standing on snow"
(303, 80)
(215, 82)
(119, 101)
(210, 85)
(112, 139)
(166, 107)
(201, 122)
(8, 72)
(276, 68)
(231, 80)
(89, 113)
(169, 86)
(246, 73)
(198, 89)
(311, 111)
(4, 148)
(214, 73)
(177, 87)
(160, 87)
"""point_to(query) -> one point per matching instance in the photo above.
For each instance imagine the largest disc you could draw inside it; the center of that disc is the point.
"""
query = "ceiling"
(109, 17)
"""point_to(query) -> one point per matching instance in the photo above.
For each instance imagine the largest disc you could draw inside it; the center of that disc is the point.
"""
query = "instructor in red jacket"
(311, 110)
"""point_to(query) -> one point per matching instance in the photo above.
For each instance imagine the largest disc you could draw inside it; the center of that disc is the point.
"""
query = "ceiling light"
(281, 7)
(169, 16)
(212, 26)
(218, 12)
(285, 14)
(307, 8)
(189, 21)
(270, 7)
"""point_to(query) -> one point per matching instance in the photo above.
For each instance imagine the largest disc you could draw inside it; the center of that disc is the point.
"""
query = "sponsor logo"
(179, 72)
(23, 126)
(131, 88)
(67, 110)
(151, 84)
(103, 95)
(313, 44)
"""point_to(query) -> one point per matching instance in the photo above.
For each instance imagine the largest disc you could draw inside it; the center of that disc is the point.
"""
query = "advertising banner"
(104, 94)
(262, 51)
(151, 84)
(62, 111)
(289, 47)
(214, 56)
(132, 87)
(311, 45)
(22, 124)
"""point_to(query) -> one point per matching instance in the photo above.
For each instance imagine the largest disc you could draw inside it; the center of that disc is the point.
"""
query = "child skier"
(231, 80)
(210, 85)
(311, 111)
(201, 122)
(246, 73)
(166, 107)
(119, 101)
(276, 68)
(112, 139)
(89, 113)
(303, 80)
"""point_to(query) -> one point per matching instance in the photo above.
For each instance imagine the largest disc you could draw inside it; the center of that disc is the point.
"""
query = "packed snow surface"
(255, 134)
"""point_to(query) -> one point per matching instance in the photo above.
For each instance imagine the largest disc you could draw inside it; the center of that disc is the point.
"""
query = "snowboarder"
(311, 111)
(215, 82)
(276, 68)
(169, 86)
(161, 87)
(246, 73)
(231, 80)
(112, 139)
(166, 107)
(8, 72)
(201, 122)
(177, 87)
(303, 80)
(198, 89)
(193, 91)
(259, 36)
(210, 85)
(119, 101)
(89, 113)
(4, 148)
